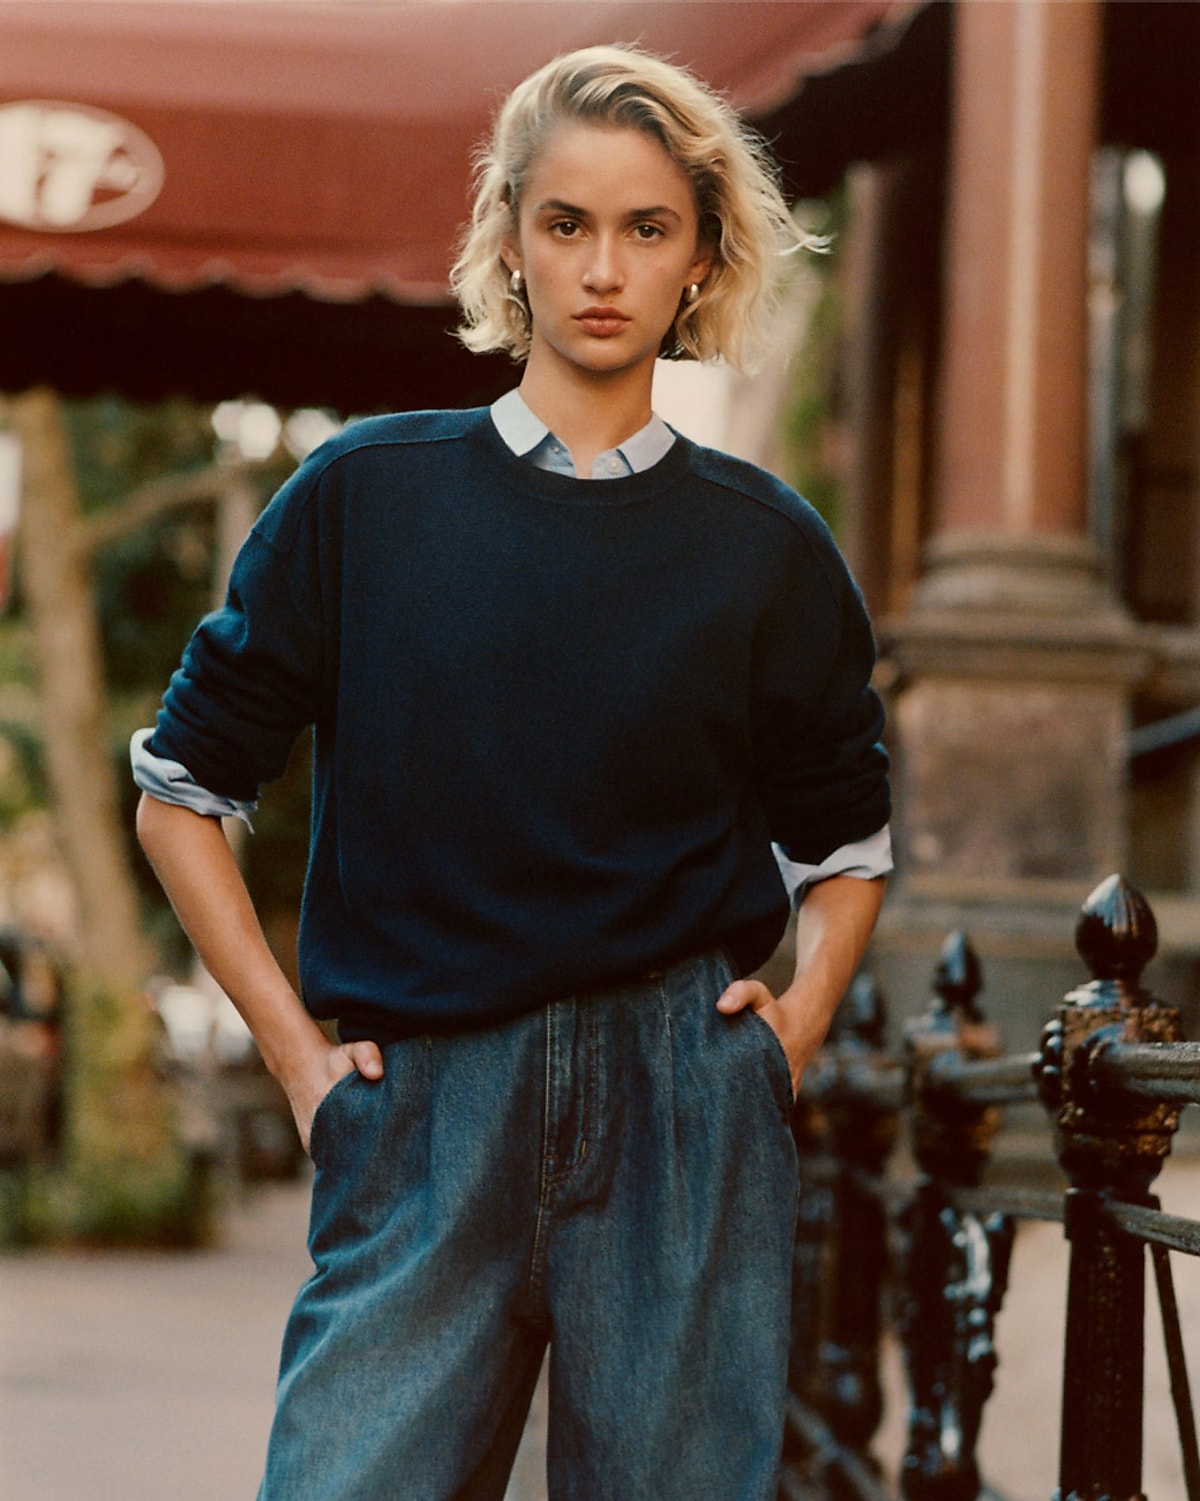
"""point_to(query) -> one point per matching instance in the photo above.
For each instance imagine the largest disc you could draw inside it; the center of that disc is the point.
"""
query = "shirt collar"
(522, 432)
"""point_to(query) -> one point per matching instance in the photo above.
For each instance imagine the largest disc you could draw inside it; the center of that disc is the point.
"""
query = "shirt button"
(613, 464)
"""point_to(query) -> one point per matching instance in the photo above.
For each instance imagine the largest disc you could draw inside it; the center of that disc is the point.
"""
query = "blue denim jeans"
(613, 1175)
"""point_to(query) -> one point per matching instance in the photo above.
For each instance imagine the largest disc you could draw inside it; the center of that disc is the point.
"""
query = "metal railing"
(1113, 1073)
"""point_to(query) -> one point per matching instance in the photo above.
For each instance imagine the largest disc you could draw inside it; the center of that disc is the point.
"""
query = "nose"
(603, 271)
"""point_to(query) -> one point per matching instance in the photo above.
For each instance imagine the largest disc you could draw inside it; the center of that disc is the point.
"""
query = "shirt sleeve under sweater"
(556, 723)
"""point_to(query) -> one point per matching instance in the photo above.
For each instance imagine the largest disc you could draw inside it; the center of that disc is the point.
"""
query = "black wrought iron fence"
(933, 1252)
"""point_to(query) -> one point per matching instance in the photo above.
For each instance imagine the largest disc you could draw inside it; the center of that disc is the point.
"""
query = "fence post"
(1108, 1147)
(862, 1135)
(841, 1260)
(811, 1257)
(956, 1261)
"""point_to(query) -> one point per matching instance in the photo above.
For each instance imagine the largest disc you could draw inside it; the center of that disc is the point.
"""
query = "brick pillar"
(1014, 663)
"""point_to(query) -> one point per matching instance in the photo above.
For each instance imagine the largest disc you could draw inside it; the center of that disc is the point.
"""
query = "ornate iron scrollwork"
(957, 1266)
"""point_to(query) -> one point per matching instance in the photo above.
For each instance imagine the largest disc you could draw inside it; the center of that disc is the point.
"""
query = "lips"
(601, 322)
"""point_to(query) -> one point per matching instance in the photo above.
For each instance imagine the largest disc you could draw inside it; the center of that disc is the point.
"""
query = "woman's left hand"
(832, 928)
(796, 1021)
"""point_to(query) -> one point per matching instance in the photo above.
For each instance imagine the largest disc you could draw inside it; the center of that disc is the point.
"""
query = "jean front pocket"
(777, 1058)
(324, 1121)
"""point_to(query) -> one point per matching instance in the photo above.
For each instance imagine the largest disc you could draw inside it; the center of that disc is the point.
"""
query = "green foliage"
(118, 1204)
(153, 585)
(123, 1178)
(151, 589)
(14, 1211)
(811, 424)
(16, 660)
(22, 771)
(117, 445)
(275, 859)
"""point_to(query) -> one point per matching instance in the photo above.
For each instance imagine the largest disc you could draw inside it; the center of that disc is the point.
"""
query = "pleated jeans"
(612, 1175)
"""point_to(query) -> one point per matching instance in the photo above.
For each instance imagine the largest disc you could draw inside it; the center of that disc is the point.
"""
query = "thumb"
(743, 993)
(367, 1059)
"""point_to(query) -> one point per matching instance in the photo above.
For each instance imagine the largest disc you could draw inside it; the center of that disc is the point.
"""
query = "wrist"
(803, 1013)
(295, 1050)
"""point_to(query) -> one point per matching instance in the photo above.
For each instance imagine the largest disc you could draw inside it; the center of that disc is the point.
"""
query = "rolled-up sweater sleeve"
(821, 766)
(250, 679)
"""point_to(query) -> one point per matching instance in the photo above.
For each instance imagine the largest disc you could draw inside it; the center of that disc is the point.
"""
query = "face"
(607, 243)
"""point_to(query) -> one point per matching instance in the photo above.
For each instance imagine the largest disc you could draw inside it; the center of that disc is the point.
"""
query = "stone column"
(1014, 663)
(1010, 478)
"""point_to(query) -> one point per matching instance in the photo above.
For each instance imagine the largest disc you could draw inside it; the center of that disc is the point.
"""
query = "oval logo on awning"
(72, 168)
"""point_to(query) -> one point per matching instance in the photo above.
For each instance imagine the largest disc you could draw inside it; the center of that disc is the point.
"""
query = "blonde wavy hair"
(744, 219)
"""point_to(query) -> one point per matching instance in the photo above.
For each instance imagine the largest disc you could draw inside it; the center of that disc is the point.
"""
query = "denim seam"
(664, 1006)
(564, 1164)
(538, 1253)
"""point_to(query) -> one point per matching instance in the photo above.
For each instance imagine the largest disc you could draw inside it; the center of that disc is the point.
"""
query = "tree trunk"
(58, 595)
(123, 1178)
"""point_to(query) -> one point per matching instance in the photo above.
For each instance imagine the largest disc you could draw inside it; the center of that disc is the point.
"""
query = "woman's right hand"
(193, 860)
(308, 1087)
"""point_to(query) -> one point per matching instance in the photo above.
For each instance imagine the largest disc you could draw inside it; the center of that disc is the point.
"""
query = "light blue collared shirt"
(529, 438)
(171, 782)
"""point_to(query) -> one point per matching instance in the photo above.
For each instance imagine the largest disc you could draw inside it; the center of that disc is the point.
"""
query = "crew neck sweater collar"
(525, 433)
(568, 489)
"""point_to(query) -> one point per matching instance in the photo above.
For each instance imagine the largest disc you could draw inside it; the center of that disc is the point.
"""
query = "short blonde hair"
(744, 219)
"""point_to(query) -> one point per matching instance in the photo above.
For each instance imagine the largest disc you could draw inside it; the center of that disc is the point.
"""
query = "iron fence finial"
(1116, 935)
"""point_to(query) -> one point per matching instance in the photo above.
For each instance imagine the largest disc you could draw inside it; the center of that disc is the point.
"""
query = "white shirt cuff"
(866, 859)
(171, 782)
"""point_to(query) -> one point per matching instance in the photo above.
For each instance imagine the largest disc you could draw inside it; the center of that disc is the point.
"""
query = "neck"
(588, 413)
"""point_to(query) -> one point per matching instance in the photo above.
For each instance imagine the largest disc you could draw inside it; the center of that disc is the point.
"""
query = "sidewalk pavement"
(147, 1377)
(150, 1377)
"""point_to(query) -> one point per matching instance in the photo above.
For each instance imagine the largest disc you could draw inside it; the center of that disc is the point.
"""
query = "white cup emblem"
(71, 168)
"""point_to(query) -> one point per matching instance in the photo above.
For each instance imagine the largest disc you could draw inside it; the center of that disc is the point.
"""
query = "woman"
(571, 677)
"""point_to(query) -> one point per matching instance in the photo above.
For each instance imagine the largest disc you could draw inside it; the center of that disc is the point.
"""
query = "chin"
(611, 358)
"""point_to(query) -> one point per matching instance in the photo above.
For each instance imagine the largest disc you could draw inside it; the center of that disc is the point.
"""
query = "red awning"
(271, 146)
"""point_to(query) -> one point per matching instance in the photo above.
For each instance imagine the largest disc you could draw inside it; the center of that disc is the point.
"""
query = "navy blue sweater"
(558, 722)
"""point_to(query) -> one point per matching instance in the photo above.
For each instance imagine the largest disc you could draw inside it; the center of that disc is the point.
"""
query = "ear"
(510, 254)
(701, 266)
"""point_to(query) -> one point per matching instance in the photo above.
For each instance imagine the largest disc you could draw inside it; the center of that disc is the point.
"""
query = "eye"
(564, 229)
(648, 232)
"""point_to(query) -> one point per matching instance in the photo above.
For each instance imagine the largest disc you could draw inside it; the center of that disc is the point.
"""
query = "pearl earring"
(515, 281)
(693, 292)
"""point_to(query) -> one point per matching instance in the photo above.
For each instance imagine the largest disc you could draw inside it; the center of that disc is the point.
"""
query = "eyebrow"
(560, 206)
(660, 211)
